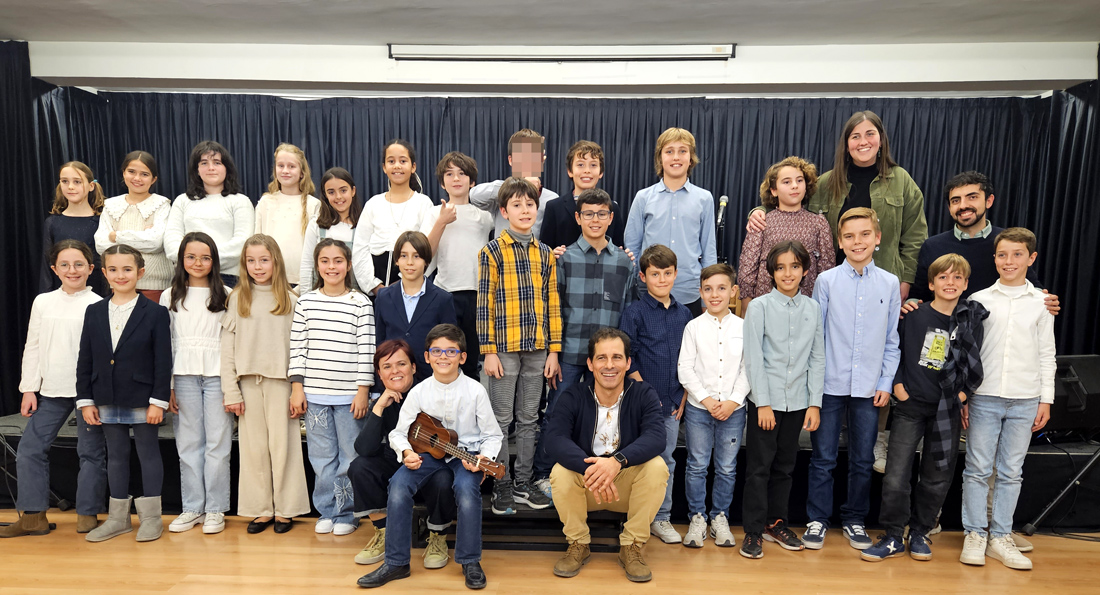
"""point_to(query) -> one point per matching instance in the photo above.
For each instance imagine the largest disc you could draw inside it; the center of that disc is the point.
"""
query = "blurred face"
(948, 285)
(456, 182)
(526, 159)
(260, 264)
(1012, 260)
(675, 160)
(716, 292)
(858, 241)
(446, 359)
(73, 270)
(790, 188)
(138, 178)
(788, 274)
(122, 272)
(197, 260)
(398, 166)
(332, 266)
(968, 204)
(594, 221)
(609, 364)
(288, 170)
(410, 262)
(212, 170)
(520, 212)
(585, 171)
(659, 282)
(74, 186)
(396, 372)
(340, 195)
(863, 144)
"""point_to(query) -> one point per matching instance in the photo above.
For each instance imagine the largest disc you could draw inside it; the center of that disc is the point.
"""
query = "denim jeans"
(33, 463)
(330, 436)
(516, 396)
(570, 374)
(704, 435)
(999, 433)
(862, 417)
(204, 439)
(672, 434)
(406, 482)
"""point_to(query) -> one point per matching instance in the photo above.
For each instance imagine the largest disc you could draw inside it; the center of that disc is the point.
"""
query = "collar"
(714, 319)
(583, 244)
(688, 186)
(130, 305)
(1029, 289)
(506, 237)
(962, 235)
(423, 288)
(784, 300)
(617, 402)
(851, 270)
(117, 205)
(653, 303)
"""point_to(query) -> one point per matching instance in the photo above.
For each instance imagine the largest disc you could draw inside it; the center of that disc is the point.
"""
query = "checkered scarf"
(962, 372)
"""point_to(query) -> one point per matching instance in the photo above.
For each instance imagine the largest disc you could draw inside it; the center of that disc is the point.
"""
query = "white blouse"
(53, 342)
(196, 334)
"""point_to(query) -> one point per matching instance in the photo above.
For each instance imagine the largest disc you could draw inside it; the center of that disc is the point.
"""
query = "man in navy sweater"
(606, 436)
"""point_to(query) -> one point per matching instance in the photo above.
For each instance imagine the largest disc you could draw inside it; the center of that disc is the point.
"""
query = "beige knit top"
(255, 346)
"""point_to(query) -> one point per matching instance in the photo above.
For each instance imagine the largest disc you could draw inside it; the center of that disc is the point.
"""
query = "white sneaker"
(973, 550)
(186, 521)
(880, 453)
(1004, 549)
(544, 486)
(664, 531)
(214, 523)
(720, 531)
(1021, 542)
(323, 526)
(935, 530)
(344, 528)
(697, 531)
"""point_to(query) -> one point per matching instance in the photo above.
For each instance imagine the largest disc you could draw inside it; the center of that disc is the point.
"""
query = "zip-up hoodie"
(572, 425)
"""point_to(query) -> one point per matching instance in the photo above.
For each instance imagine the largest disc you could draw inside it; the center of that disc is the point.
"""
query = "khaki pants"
(273, 474)
(641, 492)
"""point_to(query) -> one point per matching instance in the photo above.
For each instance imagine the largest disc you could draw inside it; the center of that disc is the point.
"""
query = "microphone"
(722, 202)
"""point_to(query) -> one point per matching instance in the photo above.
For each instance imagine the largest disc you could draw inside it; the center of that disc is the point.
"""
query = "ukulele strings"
(449, 448)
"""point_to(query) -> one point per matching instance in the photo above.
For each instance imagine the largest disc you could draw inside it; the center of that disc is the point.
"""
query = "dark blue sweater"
(977, 251)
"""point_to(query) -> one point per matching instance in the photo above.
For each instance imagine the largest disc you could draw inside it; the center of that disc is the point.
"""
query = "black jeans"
(370, 484)
(913, 421)
(770, 459)
(466, 312)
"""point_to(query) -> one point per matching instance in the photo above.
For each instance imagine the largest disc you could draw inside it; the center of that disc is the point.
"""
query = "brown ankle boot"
(630, 558)
(31, 523)
(86, 522)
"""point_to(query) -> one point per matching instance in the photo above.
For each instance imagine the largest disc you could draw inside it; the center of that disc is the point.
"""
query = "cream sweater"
(258, 345)
(280, 216)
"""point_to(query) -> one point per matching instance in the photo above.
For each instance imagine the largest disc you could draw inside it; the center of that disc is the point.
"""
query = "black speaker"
(1076, 394)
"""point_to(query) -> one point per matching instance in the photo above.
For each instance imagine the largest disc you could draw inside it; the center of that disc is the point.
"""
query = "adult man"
(606, 436)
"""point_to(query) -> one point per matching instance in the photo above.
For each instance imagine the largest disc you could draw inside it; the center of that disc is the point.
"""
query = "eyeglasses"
(191, 258)
(449, 352)
(601, 215)
(76, 266)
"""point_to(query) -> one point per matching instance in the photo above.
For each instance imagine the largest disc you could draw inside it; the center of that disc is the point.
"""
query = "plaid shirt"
(595, 288)
(962, 372)
(517, 297)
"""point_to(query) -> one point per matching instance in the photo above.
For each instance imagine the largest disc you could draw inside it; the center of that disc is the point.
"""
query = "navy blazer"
(435, 307)
(138, 370)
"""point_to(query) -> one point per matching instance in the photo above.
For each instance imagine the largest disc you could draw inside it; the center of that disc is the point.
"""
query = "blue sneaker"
(919, 546)
(887, 547)
(814, 537)
(857, 536)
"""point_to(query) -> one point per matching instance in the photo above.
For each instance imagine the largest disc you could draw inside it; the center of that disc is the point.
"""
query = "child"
(461, 404)
(584, 164)
(123, 378)
(331, 372)
(288, 207)
(785, 361)
(457, 231)
(48, 385)
(138, 219)
(786, 187)
(254, 362)
(860, 304)
(519, 327)
(413, 306)
(655, 324)
(676, 213)
(1012, 402)
(203, 426)
(213, 205)
(386, 215)
(526, 156)
(337, 219)
(939, 371)
(77, 203)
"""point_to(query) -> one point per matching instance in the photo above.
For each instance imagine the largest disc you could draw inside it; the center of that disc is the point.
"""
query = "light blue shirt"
(860, 314)
(682, 220)
(785, 351)
(411, 301)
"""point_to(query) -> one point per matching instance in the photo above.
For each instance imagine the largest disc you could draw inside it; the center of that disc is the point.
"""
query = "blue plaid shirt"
(655, 334)
(595, 287)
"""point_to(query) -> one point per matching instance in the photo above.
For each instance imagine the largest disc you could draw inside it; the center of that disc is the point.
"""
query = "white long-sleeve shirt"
(712, 362)
(462, 406)
(280, 216)
(229, 220)
(196, 333)
(1018, 351)
(53, 342)
(379, 226)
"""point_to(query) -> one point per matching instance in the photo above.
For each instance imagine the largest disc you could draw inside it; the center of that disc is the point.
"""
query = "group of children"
(273, 314)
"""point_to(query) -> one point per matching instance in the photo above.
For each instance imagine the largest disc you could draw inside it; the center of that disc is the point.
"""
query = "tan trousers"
(641, 492)
(273, 474)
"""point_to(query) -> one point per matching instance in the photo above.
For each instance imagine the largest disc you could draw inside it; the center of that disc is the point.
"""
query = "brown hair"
(858, 213)
(95, 191)
(460, 160)
(526, 136)
(328, 216)
(771, 180)
(447, 331)
(305, 183)
(390, 347)
(714, 270)
(419, 243)
(344, 250)
(515, 186)
(949, 262)
(794, 247)
(279, 285)
(581, 148)
(145, 158)
(657, 255)
(124, 249)
(674, 135)
(838, 183)
(1020, 235)
(62, 245)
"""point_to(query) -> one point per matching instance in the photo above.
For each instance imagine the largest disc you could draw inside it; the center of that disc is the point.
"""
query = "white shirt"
(605, 439)
(462, 406)
(196, 333)
(1018, 350)
(117, 317)
(379, 225)
(229, 220)
(341, 231)
(462, 239)
(280, 216)
(53, 342)
(712, 362)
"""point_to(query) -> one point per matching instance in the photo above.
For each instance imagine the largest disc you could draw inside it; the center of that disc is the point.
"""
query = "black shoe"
(382, 575)
(475, 577)
(528, 494)
(281, 527)
(256, 526)
(753, 546)
(781, 534)
(503, 502)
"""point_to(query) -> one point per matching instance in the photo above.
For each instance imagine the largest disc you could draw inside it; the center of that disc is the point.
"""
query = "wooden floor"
(303, 562)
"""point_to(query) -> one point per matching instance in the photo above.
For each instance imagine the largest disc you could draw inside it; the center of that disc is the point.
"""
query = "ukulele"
(427, 435)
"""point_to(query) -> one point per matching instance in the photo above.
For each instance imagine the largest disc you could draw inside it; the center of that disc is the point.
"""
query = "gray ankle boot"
(117, 523)
(148, 510)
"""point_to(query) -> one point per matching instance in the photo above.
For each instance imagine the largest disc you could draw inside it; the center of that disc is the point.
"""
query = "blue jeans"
(570, 374)
(330, 436)
(406, 482)
(33, 463)
(704, 435)
(672, 434)
(862, 416)
(204, 439)
(1000, 433)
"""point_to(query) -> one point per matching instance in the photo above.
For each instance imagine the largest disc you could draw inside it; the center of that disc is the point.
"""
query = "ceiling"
(551, 22)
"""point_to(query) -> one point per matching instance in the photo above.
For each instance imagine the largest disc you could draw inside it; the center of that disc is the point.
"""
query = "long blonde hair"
(279, 285)
(95, 191)
(305, 183)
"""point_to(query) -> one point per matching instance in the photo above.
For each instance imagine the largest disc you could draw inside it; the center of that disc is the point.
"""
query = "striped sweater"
(332, 343)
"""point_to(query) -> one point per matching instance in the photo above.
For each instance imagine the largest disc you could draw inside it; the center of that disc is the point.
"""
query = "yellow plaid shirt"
(518, 308)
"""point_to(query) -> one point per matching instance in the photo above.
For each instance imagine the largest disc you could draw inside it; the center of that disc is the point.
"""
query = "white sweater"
(229, 220)
(196, 334)
(53, 342)
(280, 216)
(142, 227)
(379, 225)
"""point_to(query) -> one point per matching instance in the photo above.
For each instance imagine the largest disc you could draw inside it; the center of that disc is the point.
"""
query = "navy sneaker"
(888, 546)
(919, 546)
(814, 537)
(857, 536)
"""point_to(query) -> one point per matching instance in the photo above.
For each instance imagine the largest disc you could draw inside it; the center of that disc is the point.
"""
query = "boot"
(86, 522)
(31, 523)
(117, 523)
(148, 510)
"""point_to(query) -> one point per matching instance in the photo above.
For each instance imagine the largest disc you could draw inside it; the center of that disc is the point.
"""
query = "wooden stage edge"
(302, 562)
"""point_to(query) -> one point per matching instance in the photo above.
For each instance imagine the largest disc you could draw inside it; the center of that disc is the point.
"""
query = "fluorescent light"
(571, 53)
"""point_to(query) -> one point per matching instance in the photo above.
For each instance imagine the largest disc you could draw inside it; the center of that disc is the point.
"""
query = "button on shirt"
(462, 406)
(655, 336)
(712, 362)
(1018, 352)
(785, 351)
(860, 314)
(411, 300)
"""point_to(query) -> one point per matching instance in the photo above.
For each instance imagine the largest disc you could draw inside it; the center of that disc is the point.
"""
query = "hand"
(882, 398)
(679, 411)
(813, 419)
(154, 415)
(235, 409)
(904, 291)
(360, 403)
(29, 404)
(962, 397)
(757, 221)
(173, 406)
(413, 460)
(552, 371)
(725, 409)
(1041, 417)
(297, 401)
(900, 392)
(376, 289)
(965, 413)
(111, 236)
(628, 253)
(909, 306)
(388, 397)
(91, 415)
(711, 405)
(492, 366)
(599, 478)
(765, 418)
(447, 213)
(1052, 303)
(559, 251)
(472, 468)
